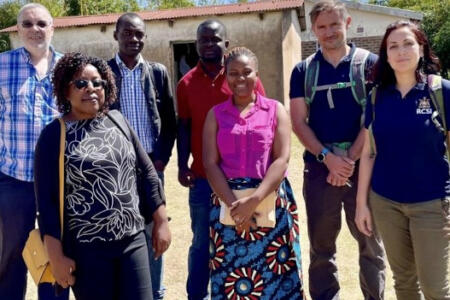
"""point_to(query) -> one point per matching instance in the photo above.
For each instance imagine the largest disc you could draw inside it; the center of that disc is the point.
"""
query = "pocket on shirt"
(261, 137)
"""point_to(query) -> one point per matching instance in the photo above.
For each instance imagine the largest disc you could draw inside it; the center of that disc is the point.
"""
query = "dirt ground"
(176, 257)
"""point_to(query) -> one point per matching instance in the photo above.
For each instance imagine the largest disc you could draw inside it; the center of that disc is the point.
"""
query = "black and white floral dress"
(102, 202)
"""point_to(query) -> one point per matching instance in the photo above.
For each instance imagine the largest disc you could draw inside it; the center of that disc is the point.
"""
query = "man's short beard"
(336, 46)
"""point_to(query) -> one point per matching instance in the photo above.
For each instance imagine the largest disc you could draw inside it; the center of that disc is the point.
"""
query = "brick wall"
(371, 43)
(308, 48)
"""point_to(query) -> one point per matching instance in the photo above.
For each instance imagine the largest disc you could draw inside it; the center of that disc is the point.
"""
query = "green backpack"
(357, 80)
(437, 97)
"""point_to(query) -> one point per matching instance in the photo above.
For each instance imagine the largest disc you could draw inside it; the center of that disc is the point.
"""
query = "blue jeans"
(198, 260)
(156, 266)
(17, 218)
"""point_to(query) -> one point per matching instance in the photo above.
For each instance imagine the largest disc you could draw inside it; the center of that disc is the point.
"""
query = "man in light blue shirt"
(26, 107)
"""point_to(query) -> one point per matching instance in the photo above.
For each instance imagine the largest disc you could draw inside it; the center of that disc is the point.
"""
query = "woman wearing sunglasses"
(103, 252)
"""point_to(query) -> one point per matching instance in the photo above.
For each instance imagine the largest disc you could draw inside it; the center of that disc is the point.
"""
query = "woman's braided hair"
(240, 51)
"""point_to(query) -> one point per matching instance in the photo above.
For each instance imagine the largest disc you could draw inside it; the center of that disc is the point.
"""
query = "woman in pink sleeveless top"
(254, 245)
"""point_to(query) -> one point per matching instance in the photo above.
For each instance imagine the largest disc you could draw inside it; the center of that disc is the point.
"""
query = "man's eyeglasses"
(83, 83)
(40, 24)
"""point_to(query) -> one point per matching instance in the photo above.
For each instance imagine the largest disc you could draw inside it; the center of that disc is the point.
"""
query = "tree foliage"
(98, 7)
(55, 7)
(436, 24)
(168, 4)
(8, 15)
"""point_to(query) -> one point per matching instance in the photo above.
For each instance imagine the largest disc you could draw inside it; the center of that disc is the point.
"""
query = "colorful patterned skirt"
(259, 264)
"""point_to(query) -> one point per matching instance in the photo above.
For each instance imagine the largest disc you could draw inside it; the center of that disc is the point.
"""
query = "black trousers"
(116, 270)
(324, 204)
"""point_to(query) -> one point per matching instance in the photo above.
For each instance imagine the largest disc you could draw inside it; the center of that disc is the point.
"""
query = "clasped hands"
(340, 168)
(243, 213)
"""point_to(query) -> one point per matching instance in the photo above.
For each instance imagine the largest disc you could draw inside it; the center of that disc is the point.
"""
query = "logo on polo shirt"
(424, 107)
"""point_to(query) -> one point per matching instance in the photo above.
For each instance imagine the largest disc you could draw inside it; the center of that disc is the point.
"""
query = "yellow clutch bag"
(265, 210)
(34, 254)
(36, 258)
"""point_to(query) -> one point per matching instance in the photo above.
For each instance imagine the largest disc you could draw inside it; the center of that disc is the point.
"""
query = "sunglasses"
(40, 24)
(83, 83)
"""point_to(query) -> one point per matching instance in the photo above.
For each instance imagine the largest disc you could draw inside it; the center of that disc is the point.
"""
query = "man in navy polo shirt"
(327, 117)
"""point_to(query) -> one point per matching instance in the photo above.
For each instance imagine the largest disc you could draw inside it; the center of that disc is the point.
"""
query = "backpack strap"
(311, 76)
(435, 87)
(357, 75)
(358, 78)
(373, 151)
(437, 97)
(329, 87)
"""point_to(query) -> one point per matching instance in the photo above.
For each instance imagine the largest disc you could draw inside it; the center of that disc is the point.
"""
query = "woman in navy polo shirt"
(405, 186)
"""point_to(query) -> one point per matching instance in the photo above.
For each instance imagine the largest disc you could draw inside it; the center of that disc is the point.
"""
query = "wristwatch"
(321, 156)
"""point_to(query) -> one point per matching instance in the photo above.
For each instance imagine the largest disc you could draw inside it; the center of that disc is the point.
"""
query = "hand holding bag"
(34, 253)
(265, 210)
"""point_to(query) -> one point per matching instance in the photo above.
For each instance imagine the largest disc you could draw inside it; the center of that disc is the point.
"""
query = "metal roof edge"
(176, 13)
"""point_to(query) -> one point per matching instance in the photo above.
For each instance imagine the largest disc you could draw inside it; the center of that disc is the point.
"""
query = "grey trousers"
(323, 208)
(417, 241)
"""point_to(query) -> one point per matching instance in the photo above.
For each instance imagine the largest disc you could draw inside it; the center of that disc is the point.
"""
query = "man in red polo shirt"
(197, 92)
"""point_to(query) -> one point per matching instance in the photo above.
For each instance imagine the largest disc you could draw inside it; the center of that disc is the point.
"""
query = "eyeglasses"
(40, 24)
(83, 83)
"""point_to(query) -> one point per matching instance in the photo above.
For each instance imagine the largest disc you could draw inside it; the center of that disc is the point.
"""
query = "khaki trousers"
(416, 238)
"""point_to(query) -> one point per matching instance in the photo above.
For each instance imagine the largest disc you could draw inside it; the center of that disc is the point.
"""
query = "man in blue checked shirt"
(145, 99)
(26, 107)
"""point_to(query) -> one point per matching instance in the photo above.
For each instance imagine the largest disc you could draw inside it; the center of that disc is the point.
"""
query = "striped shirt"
(133, 104)
(26, 107)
